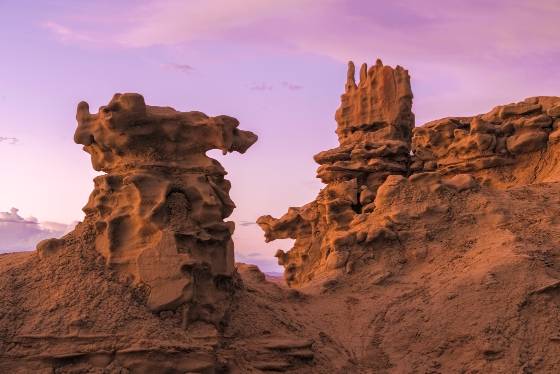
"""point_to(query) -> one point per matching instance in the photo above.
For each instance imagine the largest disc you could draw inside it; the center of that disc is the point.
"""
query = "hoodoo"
(375, 123)
(158, 212)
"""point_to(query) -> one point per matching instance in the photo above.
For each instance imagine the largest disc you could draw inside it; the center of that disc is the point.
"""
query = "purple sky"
(278, 66)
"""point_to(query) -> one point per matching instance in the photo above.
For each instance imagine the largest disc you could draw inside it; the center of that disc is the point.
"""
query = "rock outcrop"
(507, 146)
(147, 283)
(375, 123)
(511, 145)
(430, 250)
(159, 211)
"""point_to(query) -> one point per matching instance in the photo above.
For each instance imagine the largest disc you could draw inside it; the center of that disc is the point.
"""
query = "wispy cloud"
(465, 55)
(254, 254)
(263, 86)
(9, 140)
(292, 86)
(342, 29)
(183, 68)
(65, 33)
(20, 234)
(177, 21)
(247, 223)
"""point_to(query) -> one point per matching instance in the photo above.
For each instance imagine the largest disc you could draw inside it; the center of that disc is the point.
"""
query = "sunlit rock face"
(375, 123)
(159, 210)
(512, 145)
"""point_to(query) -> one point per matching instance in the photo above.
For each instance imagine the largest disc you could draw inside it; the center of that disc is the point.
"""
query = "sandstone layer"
(511, 145)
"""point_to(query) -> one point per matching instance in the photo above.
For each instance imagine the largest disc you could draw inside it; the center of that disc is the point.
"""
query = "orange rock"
(159, 211)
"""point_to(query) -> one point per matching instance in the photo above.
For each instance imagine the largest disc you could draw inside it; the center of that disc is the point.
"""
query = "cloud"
(66, 34)
(247, 223)
(464, 56)
(341, 28)
(178, 21)
(21, 234)
(442, 31)
(292, 86)
(261, 87)
(9, 140)
(183, 68)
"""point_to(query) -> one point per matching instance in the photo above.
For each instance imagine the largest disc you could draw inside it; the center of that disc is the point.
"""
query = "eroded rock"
(504, 137)
(374, 130)
(159, 210)
(382, 158)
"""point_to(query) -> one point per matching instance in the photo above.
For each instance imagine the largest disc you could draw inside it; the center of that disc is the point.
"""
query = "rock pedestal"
(159, 210)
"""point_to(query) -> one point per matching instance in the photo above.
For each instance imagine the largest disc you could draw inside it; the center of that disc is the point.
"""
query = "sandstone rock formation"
(375, 123)
(440, 260)
(159, 210)
(147, 283)
(511, 145)
(506, 146)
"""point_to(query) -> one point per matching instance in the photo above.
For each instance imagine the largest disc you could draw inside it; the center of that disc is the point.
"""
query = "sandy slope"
(472, 285)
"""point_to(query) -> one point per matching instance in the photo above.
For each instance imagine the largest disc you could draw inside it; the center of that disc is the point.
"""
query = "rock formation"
(375, 123)
(510, 145)
(147, 283)
(159, 210)
(505, 147)
(430, 250)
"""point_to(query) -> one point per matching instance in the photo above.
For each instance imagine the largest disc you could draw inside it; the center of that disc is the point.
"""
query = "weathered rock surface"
(147, 283)
(375, 123)
(159, 211)
(512, 145)
(443, 265)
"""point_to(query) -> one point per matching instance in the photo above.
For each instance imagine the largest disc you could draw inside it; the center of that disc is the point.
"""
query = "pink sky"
(278, 66)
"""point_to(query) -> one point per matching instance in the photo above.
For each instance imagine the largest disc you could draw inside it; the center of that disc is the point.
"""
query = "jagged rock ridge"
(504, 147)
(375, 126)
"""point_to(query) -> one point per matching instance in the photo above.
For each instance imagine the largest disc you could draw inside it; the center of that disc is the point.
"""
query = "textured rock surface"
(159, 210)
(374, 126)
(147, 283)
(435, 270)
(512, 145)
(375, 123)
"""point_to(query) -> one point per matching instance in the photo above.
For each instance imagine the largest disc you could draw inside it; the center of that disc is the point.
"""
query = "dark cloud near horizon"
(10, 140)
(263, 86)
(183, 68)
(247, 223)
(22, 234)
